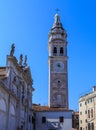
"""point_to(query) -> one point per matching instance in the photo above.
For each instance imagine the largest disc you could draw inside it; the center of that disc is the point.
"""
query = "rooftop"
(47, 108)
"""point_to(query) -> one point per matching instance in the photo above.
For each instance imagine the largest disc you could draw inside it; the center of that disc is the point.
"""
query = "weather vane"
(57, 10)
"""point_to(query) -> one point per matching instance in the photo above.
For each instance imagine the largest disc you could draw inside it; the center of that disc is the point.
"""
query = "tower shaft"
(58, 65)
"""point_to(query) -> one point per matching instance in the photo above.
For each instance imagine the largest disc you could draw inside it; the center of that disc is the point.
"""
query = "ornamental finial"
(57, 17)
(12, 50)
(21, 60)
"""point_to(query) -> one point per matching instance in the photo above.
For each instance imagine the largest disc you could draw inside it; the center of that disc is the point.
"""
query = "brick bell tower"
(58, 65)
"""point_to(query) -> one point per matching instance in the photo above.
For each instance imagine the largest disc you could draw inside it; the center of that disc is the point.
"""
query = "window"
(81, 121)
(80, 113)
(22, 127)
(61, 50)
(61, 119)
(32, 119)
(80, 128)
(43, 119)
(85, 103)
(80, 104)
(77, 117)
(91, 113)
(58, 83)
(88, 113)
(85, 112)
(92, 126)
(86, 120)
(55, 50)
(88, 126)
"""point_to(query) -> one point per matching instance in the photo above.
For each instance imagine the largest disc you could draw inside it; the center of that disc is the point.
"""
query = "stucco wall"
(52, 121)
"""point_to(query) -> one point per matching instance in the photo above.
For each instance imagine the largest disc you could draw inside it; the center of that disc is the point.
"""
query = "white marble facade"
(15, 95)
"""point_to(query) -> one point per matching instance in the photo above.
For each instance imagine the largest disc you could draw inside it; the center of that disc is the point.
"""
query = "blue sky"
(27, 24)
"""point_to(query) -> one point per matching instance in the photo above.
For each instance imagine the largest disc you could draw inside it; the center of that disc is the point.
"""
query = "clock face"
(58, 66)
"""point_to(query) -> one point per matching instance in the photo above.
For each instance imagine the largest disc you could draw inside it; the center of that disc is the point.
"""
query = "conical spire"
(57, 29)
(57, 18)
(57, 22)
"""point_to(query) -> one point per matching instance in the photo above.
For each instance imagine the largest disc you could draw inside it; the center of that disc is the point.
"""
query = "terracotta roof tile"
(76, 113)
(47, 108)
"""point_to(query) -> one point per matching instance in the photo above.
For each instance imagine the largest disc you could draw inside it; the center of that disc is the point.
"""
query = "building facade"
(87, 111)
(75, 120)
(15, 94)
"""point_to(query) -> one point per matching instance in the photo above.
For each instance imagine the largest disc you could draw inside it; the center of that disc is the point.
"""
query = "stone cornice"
(24, 71)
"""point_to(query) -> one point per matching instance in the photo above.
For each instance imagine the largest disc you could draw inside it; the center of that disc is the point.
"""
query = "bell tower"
(58, 65)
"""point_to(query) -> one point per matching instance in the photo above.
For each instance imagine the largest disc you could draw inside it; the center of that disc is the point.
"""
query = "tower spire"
(57, 31)
(57, 23)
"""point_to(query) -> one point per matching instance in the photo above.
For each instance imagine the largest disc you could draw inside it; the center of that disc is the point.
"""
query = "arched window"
(61, 50)
(88, 113)
(55, 50)
(91, 113)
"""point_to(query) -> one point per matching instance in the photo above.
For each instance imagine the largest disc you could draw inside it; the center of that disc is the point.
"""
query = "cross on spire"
(57, 10)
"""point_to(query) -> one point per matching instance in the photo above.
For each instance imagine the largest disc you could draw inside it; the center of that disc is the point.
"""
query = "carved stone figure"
(12, 50)
(25, 60)
(21, 60)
